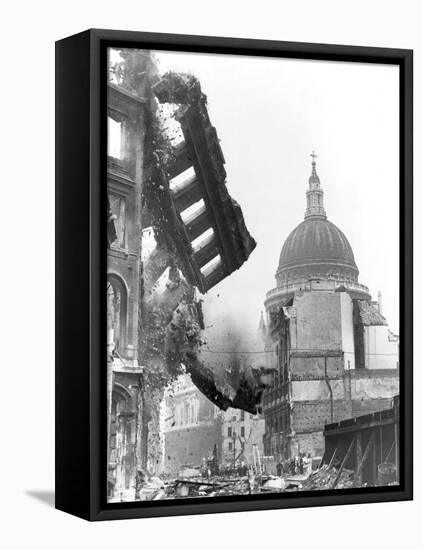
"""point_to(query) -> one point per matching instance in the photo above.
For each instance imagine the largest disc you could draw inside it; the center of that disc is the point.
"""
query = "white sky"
(269, 115)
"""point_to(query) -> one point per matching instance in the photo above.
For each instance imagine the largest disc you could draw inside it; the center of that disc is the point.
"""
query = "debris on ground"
(252, 483)
(325, 477)
(274, 484)
(213, 486)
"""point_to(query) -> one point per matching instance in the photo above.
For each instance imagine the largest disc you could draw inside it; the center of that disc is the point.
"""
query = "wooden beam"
(332, 459)
(380, 445)
(374, 461)
(396, 451)
(363, 460)
(358, 426)
(359, 456)
(389, 453)
(346, 457)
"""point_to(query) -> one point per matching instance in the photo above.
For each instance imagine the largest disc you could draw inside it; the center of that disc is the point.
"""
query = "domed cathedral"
(316, 252)
(333, 353)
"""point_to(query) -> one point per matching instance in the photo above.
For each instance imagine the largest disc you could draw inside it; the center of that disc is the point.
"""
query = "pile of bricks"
(325, 479)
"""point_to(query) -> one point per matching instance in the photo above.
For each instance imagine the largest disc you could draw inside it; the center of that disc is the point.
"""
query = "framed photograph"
(234, 274)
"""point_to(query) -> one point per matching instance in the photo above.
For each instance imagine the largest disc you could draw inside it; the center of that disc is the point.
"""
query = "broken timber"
(346, 457)
(357, 477)
(376, 433)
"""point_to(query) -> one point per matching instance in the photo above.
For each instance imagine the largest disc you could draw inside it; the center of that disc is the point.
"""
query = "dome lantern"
(314, 193)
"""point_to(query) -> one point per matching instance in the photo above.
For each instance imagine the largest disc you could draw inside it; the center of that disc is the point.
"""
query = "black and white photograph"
(211, 237)
(253, 262)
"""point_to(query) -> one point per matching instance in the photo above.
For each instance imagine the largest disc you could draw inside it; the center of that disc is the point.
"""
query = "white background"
(28, 32)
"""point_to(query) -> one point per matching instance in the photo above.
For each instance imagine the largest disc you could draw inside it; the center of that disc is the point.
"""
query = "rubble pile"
(252, 483)
(157, 489)
(325, 477)
(192, 488)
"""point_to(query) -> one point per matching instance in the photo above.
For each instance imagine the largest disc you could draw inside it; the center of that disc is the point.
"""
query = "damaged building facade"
(192, 428)
(334, 355)
(174, 232)
(126, 129)
(195, 432)
(242, 439)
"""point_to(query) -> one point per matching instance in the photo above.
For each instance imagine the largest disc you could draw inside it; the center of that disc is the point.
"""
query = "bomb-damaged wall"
(170, 320)
(310, 416)
(173, 318)
(319, 402)
(322, 320)
(316, 365)
(324, 384)
(167, 271)
(373, 389)
(316, 321)
(321, 330)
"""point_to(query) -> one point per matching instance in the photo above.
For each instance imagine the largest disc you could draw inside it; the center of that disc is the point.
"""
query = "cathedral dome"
(317, 247)
(316, 255)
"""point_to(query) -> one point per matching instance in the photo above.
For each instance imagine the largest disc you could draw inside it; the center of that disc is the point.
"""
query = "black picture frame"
(80, 272)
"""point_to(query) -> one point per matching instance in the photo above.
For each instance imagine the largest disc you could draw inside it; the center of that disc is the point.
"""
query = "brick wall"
(309, 366)
(313, 415)
(318, 390)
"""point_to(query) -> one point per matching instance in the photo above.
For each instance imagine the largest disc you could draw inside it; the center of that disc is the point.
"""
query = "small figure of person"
(297, 465)
(204, 467)
(307, 463)
(301, 464)
(279, 469)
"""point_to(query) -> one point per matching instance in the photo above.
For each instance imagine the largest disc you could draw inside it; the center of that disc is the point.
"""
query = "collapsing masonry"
(200, 238)
(173, 232)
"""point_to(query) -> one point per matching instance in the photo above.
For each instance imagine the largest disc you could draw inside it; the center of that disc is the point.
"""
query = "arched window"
(116, 313)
